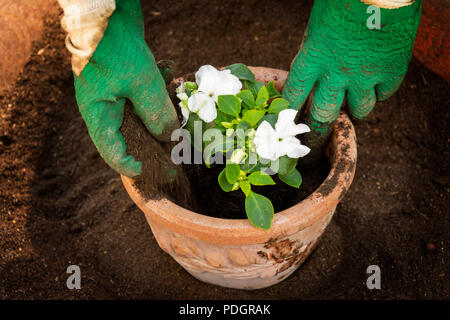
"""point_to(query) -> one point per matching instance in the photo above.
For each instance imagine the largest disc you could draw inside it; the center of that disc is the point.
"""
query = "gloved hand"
(340, 54)
(122, 67)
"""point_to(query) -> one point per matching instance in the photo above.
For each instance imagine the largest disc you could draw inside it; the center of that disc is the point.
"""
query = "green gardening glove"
(122, 67)
(342, 55)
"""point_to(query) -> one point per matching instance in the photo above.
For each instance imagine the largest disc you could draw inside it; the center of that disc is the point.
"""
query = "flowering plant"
(252, 126)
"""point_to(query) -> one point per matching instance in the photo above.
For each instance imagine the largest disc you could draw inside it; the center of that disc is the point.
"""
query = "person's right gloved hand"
(122, 67)
(342, 56)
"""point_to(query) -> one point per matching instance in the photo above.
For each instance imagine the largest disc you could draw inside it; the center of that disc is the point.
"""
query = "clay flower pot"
(235, 254)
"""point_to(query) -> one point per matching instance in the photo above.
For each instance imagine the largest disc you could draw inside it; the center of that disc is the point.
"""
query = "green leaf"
(241, 129)
(293, 178)
(286, 165)
(247, 97)
(241, 71)
(254, 87)
(246, 166)
(262, 96)
(232, 171)
(227, 125)
(270, 118)
(223, 182)
(259, 210)
(273, 92)
(250, 163)
(222, 117)
(260, 179)
(278, 105)
(190, 123)
(190, 126)
(253, 116)
(229, 104)
(245, 187)
(244, 125)
(217, 145)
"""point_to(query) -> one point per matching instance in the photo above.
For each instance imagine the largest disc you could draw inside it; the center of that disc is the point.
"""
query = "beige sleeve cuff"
(389, 4)
(85, 22)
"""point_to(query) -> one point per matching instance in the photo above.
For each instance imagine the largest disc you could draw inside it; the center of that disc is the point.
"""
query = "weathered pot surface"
(235, 254)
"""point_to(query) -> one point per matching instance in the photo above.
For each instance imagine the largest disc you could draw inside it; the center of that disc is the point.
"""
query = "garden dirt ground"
(61, 205)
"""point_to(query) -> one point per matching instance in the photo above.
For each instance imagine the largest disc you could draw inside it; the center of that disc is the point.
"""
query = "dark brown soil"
(61, 205)
(212, 201)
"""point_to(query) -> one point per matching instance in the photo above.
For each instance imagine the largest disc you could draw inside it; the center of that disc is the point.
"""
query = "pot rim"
(342, 151)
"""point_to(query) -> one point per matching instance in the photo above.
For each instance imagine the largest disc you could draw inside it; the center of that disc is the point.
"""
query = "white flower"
(274, 143)
(201, 104)
(215, 83)
(211, 84)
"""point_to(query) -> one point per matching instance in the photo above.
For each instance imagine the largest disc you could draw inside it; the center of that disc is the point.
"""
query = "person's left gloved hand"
(122, 67)
(342, 56)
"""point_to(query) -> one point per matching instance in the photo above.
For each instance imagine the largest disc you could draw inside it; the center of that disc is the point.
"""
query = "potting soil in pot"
(195, 186)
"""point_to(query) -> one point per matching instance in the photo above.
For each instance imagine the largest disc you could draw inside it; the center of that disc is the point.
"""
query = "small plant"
(252, 126)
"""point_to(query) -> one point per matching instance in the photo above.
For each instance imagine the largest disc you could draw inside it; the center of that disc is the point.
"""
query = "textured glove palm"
(123, 67)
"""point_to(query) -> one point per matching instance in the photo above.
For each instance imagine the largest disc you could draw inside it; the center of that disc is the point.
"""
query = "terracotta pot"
(233, 253)
(432, 46)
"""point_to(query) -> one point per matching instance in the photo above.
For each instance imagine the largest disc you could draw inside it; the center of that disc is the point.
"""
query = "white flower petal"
(207, 78)
(301, 128)
(293, 148)
(216, 83)
(227, 84)
(203, 105)
(287, 115)
(196, 101)
(209, 87)
(293, 130)
(208, 112)
(286, 126)
(285, 121)
(203, 72)
(266, 141)
(298, 151)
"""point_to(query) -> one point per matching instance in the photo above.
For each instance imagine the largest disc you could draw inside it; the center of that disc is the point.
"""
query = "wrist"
(85, 22)
(356, 11)
(79, 7)
(389, 4)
